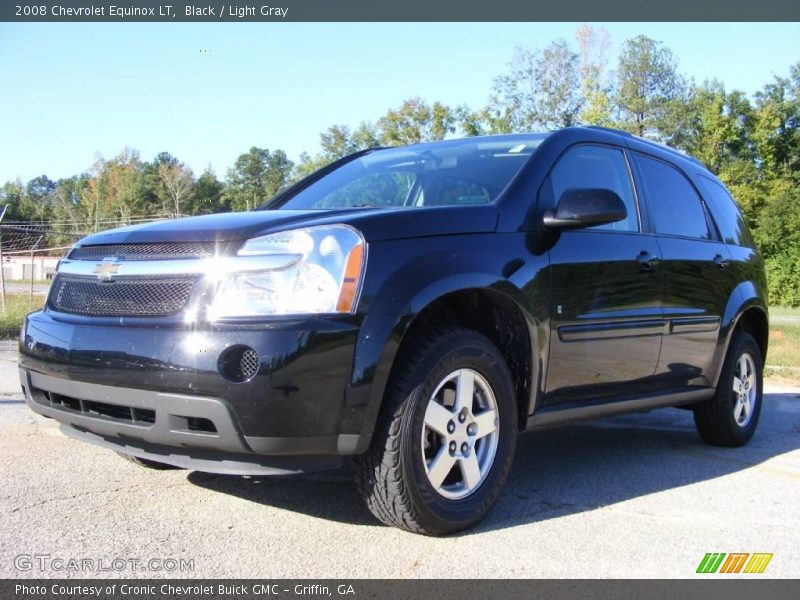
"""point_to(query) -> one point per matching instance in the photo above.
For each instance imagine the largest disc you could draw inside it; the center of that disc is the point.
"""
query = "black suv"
(414, 309)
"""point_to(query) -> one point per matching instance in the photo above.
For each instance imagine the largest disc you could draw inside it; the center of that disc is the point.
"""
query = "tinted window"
(596, 167)
(385, 188)
(447, 191)
(673, 202)
(450, 173)
(725, 212)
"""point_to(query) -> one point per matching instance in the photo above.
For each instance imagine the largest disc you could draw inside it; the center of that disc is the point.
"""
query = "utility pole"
(2, 264)
(33, 266)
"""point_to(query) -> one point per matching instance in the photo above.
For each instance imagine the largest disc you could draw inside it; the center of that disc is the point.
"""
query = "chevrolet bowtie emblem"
(107, 268)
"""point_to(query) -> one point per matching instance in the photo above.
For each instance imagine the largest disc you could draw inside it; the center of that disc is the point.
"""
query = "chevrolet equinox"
(413, 309)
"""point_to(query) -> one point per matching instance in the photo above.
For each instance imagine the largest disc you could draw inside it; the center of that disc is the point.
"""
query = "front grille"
(148, 251)
(121, 298)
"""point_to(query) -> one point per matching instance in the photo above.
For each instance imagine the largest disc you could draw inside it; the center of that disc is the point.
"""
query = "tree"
(337, 141)
(777, 126)
(255, 177)
(93, 194)
(36, 203)
(176, 181)
(593, 45)
(541, 92)
(206, 194)
(125, 185)
(647, 85)
(278, 173)
(68, 217)
(12, 194)
(778, 237)
(416, 121)
(715, 126)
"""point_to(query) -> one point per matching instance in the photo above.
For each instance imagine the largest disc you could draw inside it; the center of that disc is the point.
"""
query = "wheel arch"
(754, 320)
(494, 312)
(746, 311)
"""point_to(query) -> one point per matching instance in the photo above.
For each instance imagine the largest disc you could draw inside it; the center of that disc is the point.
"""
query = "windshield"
(452, 173)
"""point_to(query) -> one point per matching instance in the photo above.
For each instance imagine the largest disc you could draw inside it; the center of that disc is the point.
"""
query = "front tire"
(730, 417)
(444, 443)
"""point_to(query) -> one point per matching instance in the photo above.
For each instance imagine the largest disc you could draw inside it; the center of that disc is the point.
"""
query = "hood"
(374, 224)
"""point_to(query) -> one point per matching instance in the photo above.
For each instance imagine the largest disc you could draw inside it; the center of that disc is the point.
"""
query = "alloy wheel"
(745, 390)
(460, 434)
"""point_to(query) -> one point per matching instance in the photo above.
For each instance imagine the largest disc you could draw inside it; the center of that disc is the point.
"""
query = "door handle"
(647, 260)
(721, 261)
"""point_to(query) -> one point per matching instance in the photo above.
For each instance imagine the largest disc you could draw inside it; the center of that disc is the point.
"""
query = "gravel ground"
(636, 496)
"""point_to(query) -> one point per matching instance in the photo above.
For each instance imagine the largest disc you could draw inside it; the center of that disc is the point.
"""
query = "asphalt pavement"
(636, 496)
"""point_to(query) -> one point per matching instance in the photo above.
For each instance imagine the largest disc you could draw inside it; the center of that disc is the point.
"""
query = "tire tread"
(378, 472)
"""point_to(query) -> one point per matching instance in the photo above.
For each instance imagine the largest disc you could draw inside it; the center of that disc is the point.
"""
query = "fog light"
(239, 363)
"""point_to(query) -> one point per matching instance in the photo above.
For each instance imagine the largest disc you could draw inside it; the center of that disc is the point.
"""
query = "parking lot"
(636, 496)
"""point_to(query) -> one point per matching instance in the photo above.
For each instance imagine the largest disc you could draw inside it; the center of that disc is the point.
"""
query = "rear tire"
(439, 458)
(147, 463)
(730, 417)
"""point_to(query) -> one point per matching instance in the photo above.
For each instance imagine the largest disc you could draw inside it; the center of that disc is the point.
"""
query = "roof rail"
(671, 150)
(610, 130)
(660, 145)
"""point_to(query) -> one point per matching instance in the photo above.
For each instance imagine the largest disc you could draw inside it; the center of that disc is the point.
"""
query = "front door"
(606, 319)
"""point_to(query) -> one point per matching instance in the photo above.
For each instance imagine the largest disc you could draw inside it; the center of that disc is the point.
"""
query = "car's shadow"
(560, 471)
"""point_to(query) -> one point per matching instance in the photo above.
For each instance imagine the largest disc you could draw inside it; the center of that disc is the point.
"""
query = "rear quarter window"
(726, 214)
(675, 206)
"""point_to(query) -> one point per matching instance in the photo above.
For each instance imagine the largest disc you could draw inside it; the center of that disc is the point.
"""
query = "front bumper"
(186, 431)
(157, 392)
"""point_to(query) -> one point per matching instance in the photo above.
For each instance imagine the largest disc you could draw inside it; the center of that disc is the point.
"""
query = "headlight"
(312, 270)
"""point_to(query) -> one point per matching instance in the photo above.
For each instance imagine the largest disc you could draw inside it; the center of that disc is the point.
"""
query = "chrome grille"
(148, 251)
(120, 298)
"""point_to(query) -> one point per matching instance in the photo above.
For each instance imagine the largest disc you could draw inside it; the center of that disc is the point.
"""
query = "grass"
(17, 306)
(784, 311)
(783, 356)
(28, 281)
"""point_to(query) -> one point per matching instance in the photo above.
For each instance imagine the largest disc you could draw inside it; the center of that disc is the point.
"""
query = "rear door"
(605, 309)
(697, 277)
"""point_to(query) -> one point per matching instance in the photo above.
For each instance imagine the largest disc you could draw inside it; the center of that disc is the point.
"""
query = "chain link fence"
(29, 255)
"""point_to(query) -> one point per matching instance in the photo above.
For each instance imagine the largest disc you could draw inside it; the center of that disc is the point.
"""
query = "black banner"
(359, 589)
(408, 10)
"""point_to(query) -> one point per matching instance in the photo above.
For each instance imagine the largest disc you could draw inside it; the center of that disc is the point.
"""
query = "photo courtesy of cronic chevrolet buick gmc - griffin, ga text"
(412, 310)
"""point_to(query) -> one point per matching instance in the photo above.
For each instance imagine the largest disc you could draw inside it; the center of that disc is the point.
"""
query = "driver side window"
(597, 167)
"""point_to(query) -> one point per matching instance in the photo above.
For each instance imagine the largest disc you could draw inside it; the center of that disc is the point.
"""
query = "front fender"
(403, 278)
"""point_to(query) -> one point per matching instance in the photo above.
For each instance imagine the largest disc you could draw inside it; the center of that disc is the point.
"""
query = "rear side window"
(725, 212)
(597, 167)
(675, 206)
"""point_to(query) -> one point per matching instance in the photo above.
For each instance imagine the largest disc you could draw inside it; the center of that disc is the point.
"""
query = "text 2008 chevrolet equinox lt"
(413, 309)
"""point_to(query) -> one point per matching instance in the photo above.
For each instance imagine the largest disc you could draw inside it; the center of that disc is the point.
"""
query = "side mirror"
(584, 207)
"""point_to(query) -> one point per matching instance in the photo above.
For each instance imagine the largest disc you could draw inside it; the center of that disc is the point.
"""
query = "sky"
(208, 92)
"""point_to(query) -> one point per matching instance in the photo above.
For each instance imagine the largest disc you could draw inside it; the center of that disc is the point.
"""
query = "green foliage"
(206, 196)
(541, 90)
(648, 84)
(415, 121)
(597, 105)
(778, 237)
(255, 177)
(15, 309)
